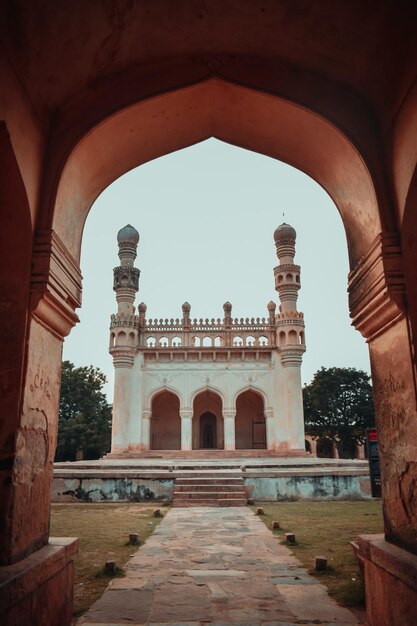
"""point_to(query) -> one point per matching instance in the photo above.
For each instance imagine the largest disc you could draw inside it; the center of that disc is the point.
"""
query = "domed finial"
(271, 306)
(227, 307)
(128, 234)
(284, 232)
(186, 307)
(128, 239)
(142, 307)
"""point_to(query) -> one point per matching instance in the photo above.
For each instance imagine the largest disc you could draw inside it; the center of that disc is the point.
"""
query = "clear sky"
(206, 217)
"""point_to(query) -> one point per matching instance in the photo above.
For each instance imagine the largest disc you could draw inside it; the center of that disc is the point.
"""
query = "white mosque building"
(207, 384)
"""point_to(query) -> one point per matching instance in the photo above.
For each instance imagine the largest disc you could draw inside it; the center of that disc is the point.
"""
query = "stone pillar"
(229, 416)
(27, 553)
(313, 444)
(186, 429)
(378, 308)
(146, 430)
(270, 429)
(291, 360)
(360, 451)
(123, 363)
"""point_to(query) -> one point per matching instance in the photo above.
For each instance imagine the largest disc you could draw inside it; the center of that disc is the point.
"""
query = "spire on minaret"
(287, 274)
(126, 276)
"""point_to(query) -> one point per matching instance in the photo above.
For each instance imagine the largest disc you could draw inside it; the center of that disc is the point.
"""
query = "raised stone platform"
(265, 477)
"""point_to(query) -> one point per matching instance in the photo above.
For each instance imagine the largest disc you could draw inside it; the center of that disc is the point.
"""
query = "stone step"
(200, 480)
(219, 502)
(207, 495)
(213, 487)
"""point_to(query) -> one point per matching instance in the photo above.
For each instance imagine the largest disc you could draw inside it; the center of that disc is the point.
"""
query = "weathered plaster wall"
(267, 488)
(112, 489)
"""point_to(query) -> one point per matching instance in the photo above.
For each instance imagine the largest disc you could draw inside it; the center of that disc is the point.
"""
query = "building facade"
(226, 383)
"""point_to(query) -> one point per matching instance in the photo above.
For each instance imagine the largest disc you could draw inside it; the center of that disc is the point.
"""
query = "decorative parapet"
(116, 320)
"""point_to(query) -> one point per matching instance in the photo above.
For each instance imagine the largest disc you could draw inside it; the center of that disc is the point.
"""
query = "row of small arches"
(123, 339)
(291, 337)
(206, 342)
(128, 339)
(289, 278)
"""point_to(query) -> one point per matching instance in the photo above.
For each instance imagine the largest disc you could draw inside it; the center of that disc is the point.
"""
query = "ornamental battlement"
(279, 331)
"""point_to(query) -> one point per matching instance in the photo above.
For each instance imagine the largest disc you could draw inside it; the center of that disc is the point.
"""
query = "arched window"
(176, 342)
(112, 340)
(150, 342)
(302, 338)
(196, 342)
(164, 342)
(263, 341)
(292, 336)
(207, 342)
(131, 339)
(218, 341)
(282, 338)
(237, 342)
(121, 339)
(289, 278)
(250, 341)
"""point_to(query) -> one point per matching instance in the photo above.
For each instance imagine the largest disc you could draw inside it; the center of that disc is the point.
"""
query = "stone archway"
(208, 421)
(60, 93)
(250, 426)
(165, 422)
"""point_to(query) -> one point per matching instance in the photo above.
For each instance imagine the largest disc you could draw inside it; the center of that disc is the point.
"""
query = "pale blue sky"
(206, 217)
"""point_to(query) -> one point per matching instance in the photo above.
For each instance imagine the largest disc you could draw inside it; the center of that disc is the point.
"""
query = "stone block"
(290, 537)
(276, 525)
(39, 589)
(320, 563)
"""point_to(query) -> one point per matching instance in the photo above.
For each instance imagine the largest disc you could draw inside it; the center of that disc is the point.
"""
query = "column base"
(390, 582)
(39, 589)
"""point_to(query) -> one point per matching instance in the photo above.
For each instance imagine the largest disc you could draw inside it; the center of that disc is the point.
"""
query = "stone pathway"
(219, 567)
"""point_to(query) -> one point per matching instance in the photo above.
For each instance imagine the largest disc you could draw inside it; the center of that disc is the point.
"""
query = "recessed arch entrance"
(208, 431)
(250, 424)
(165, 422)
(286, 130)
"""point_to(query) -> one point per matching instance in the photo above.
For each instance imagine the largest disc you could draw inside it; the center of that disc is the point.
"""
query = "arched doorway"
(165, 422)
(250, 421)
(208, 432)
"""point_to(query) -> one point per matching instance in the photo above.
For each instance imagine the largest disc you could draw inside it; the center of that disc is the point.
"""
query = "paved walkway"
(216, 566)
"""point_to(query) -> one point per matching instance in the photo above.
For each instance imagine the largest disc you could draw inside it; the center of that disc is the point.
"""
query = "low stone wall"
(313, 487)
(268, 487)
(112, 489)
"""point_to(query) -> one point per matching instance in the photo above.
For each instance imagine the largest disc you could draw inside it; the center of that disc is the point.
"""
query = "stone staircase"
(210, 489)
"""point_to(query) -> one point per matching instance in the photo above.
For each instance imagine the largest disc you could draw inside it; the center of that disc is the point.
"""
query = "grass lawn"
(103, 531)
(325, 529)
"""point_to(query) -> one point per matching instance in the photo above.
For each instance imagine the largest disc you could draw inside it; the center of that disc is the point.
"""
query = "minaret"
(290, 331)
(124, 336)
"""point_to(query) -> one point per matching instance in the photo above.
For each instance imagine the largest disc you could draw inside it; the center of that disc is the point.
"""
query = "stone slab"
(218, 567)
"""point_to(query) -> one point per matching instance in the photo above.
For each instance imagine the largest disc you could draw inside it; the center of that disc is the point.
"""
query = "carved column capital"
(269, 412)
(146, 414)
(229, 413)
(377, 288)
(55, 284)
(186, 413)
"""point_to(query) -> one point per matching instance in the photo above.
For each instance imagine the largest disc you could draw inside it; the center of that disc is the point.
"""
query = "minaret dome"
(128, 234)
(284, 232)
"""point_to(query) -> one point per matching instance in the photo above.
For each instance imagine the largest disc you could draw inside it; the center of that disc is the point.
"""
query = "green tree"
(338, 405)
(84, 413)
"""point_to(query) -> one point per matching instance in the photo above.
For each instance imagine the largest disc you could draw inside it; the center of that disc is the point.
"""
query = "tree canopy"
(84, 413)
(338, 405)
